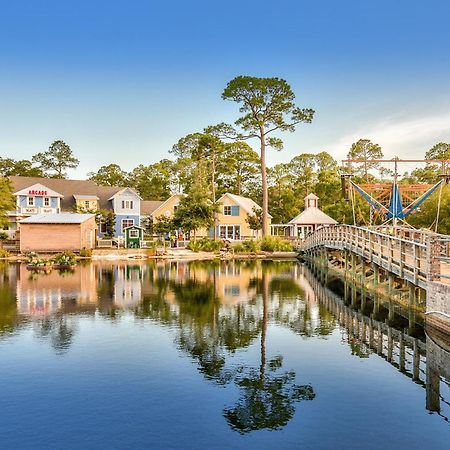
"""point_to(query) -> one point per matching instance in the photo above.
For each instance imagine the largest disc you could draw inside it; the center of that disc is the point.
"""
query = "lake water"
(211, 355)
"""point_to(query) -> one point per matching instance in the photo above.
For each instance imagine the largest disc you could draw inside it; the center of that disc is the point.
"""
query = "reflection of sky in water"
(159, 373)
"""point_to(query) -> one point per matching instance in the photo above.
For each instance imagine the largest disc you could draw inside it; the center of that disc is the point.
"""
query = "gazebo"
(310, 219)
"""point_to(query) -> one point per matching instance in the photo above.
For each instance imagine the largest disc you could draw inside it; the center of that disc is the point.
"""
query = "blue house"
(126, 204)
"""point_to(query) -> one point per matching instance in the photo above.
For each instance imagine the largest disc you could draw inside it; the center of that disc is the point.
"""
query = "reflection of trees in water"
(9, 318)
(58, 330)
(211, 332)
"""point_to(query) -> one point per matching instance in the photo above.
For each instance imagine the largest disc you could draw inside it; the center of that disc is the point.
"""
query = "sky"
(122, 81)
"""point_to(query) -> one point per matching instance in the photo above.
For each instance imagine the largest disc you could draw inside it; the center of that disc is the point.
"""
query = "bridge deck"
(414, 255)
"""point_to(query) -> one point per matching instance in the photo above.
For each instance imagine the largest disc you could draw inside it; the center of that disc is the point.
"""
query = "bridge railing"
(414, 255)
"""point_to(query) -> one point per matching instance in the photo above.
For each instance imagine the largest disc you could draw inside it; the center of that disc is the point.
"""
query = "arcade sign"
(36, 192)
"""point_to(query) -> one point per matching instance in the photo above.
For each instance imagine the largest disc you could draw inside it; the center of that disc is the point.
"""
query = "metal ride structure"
(394, 201)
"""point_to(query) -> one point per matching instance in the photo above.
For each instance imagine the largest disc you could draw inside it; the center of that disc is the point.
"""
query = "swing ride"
(394, 201)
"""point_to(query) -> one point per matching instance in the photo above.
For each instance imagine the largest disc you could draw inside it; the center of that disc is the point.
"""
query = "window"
(231, 210)
(127, 223)
(46, 201)
(232, 232)
(103, 228)
(87, 204)
(127, 204)
(133, 234)
(30, 201)
(232, 290)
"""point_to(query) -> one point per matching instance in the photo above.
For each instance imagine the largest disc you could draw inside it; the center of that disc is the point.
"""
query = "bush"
(85, 252)
(205, 245)
(3, 235)
(3, 253)
(65, 259)
(251, 246)
(239, 248)
(275, 244)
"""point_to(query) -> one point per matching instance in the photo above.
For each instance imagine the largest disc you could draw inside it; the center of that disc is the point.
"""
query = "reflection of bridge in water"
(426, 361)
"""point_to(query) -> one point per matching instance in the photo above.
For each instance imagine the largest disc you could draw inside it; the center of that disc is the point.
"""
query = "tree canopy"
(56, 160)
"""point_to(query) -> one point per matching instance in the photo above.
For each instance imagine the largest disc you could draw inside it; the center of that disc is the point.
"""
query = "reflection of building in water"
(45, 293)
(426, 363)
(128, 281)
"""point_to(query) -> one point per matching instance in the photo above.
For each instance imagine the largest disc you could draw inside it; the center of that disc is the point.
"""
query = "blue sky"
(122, 81)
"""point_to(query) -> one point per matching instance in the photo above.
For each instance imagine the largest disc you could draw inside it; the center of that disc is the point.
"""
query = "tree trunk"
(265, 194)
(214, 193)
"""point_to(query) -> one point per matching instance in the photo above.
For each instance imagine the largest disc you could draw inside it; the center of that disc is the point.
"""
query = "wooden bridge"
(421, 258)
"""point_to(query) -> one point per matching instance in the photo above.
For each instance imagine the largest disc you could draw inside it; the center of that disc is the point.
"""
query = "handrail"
(416, 255)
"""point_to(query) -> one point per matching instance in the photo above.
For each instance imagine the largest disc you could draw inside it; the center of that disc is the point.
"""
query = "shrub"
(239, 248)
(275, 244)
(251, 246)
(85, 252)
(3, 235)
(65, 259)
(205, 245)
(3, 253)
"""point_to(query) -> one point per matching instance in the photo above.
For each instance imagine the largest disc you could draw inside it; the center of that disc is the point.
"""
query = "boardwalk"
(421, 258)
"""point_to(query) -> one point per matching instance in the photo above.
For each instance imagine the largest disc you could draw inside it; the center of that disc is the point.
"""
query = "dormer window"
(46, 202)
(127, 204)
(30, 201)
(87, 204)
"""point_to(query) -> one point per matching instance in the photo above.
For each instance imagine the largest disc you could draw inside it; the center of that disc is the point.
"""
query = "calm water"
(211, 356)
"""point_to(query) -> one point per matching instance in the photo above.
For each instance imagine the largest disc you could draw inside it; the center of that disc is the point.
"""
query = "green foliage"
(275, 244)
(255, 220)
(7, 201)
(3, 253)
(109, 175)
(239, 248)
(86, 253)
(3, 235)
(107, 217)
(24, 168)
(65, 259)
(56, 160)
(205, 245)
(164, 225)
(196, 210)
(365, 149)
(153, 182)
(251, 246)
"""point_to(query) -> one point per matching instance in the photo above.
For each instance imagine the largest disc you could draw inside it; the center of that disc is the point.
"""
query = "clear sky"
(122, 81)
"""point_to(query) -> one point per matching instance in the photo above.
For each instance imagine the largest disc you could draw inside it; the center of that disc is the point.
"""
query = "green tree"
(267, 105)
(255, 220)
(107, 218)
(237, 168)
(196, 210)
(153, 182)
(109, 175)
(366, 150)
(430, 173)
(24, 168)
(164, 225)
(56, 160)
(7, 202)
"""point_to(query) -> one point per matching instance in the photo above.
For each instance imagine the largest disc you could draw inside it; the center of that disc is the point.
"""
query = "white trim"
(227, 206)
(121, 225)
(33, 203)
(44, 201)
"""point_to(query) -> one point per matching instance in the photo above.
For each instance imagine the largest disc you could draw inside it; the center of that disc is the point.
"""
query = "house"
(36, 195)
(57, 232)
(234, 211)
(231, 220)
(309, 220)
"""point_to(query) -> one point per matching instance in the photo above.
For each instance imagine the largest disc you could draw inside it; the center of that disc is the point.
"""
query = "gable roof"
(150, 206)
(166, 201)
(122, 190)
(247, 204)
(64, 218)
(313, 216)
(68, 189)
(38, 189)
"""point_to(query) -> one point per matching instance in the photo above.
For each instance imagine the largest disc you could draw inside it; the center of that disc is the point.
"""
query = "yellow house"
(231, 220)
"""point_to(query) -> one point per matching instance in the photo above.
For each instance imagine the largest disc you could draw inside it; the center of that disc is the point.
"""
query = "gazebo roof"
(313, 216)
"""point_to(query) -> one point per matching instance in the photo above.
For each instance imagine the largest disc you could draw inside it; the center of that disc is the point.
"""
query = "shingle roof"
(149, 206)
(69, 188)
(64, 218)
(313, 216)
(246, 203)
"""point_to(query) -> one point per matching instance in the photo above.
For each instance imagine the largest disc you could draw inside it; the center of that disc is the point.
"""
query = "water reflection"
(217, 309)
